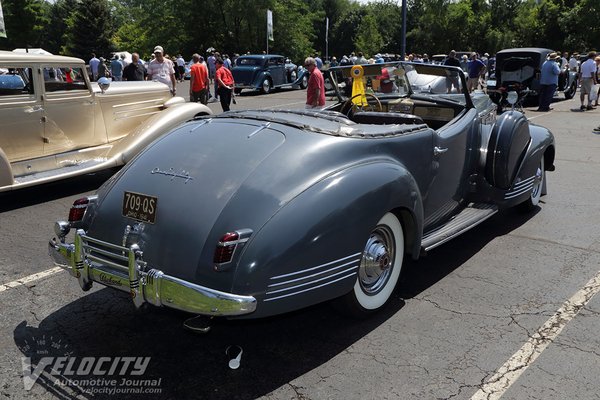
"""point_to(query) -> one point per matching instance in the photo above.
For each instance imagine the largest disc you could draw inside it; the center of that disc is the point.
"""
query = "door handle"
(31, 110)
(438, 150)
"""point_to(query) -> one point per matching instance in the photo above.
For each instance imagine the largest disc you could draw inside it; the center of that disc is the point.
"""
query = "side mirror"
(104, 83)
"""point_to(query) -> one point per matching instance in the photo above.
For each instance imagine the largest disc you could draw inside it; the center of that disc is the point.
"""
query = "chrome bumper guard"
(92, 260)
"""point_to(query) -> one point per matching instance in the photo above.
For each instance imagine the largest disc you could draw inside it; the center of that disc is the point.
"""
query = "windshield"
(400, 79)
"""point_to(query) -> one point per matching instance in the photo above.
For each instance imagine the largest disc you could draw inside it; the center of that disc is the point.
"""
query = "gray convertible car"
(260, 212)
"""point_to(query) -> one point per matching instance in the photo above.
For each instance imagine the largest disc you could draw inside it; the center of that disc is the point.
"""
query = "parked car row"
(265, 72)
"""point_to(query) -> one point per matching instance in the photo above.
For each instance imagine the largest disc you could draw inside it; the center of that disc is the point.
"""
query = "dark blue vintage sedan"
(265, 72)
(260, 212)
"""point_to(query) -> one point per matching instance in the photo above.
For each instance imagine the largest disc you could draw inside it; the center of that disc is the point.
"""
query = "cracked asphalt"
(455, 319)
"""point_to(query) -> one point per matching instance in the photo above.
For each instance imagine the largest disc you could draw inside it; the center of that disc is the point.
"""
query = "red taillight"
(226, 247)
(78, 209)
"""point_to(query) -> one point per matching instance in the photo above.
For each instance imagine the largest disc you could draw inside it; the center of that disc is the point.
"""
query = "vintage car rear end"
(260, 212)
(519, 70)
(214, 227)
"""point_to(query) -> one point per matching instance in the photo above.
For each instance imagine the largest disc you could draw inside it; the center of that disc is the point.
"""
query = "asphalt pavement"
(508, 310)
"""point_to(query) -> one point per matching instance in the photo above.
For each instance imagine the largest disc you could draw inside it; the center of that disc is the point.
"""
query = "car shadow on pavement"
(419, 275)
(53, 190)
(189, 365)
(276, 350)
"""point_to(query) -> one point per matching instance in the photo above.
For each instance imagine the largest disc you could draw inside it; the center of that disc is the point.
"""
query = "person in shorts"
(588, 79)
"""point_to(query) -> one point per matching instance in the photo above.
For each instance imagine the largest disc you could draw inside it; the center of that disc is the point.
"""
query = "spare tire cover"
(508, 142)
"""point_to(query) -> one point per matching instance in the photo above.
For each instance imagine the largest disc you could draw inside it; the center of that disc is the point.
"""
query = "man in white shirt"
(588, 79)
(161, 70)
(180, 68)
(573, 64)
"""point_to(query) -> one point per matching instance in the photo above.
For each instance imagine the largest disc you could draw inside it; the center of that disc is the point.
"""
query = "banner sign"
(269, 25)
(2, 29)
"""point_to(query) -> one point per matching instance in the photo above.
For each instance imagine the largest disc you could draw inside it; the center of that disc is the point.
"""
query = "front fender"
(542, 145)
(6, 176)
(318, 236)
(154, 127)
(301, 75)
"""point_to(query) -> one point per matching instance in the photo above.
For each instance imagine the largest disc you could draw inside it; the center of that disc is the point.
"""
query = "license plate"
(140, 207)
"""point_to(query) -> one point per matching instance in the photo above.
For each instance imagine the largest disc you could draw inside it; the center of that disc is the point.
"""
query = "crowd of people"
(214, 72)
(211, 78)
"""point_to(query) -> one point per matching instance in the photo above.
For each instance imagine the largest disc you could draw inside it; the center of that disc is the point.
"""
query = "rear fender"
(261, 77)
(327, 227)
(154, 127)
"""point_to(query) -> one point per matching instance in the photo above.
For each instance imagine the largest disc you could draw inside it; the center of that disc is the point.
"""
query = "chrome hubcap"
(537, 182)
(266, 85)
(377, 262)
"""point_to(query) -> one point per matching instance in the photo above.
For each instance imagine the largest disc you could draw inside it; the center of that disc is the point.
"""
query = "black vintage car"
(519, 70)
(267, 71)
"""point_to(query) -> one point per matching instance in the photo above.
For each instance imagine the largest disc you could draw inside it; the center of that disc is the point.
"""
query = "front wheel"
(304, 82)
(293, 76)
(536, 192)
(379, 269)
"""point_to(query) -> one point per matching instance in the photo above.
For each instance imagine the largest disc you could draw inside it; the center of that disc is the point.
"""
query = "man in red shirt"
(225, 84)
(198, 81)
(315, 92)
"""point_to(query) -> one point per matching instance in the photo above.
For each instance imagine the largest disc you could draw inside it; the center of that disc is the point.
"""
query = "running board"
(472, 215)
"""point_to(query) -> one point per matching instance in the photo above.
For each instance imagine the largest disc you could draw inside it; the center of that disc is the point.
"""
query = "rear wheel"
(379, 269)
(570, 92)
(536, 192)
(237, 91)
(266, 86)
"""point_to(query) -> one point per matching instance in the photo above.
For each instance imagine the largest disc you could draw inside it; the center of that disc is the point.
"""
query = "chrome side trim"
(519, 188)
(313, 275)
(92, 260)
(354, 267)
(352, 275)
(317, 267)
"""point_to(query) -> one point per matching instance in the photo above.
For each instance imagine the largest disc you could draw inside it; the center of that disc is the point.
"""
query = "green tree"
(58, 15)
(344, 30)
(89, 29)
(584, 30)
(388, 14)
(25, 21)
(368, 39)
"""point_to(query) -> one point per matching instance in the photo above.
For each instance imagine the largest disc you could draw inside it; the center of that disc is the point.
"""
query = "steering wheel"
(350, 106)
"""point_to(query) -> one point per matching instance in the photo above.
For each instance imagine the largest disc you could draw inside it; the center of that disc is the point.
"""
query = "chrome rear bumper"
(92, 260)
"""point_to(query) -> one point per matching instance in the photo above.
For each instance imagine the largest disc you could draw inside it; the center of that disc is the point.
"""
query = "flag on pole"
(2, 29)
(326, 29)
(269, 24)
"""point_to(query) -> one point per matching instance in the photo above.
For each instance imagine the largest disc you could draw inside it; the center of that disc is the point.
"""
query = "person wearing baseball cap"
(161, 69)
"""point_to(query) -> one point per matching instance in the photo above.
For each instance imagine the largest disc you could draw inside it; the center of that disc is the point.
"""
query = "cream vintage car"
(55, 123)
